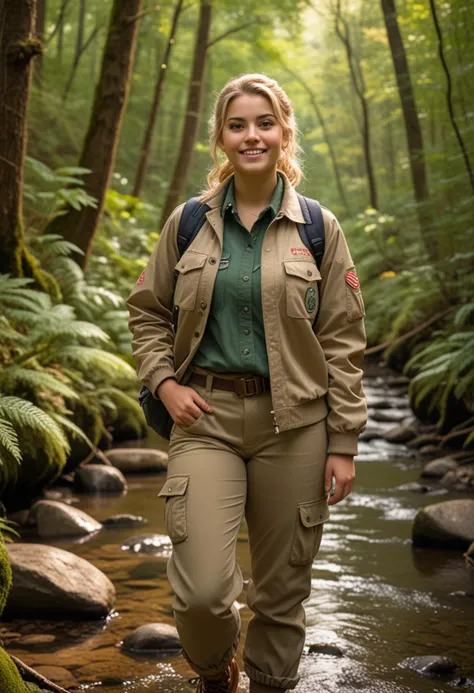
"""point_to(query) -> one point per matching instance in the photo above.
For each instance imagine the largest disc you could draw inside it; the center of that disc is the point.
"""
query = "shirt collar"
(274, 204)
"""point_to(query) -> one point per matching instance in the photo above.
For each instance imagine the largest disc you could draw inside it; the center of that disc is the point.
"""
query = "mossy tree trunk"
(102, 138)
(18, 46)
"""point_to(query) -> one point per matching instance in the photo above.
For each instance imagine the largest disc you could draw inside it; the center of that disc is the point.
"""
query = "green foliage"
(10, 679)
(5, 576)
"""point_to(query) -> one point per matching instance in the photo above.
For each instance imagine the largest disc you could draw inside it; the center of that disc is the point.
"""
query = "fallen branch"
(455, 434)
(411, 333)
(29, 674)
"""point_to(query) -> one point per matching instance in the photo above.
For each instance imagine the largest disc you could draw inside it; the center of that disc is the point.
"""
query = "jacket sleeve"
(150, 307)
(341, 333)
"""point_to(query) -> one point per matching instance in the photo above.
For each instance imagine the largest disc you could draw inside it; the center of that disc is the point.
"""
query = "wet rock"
(431, 664)
(414, 487)
(43, 639)
(438, 468)
(58, 675)
(154, 544)
(125, 521)
(56, 519)
(55, 584)
(332, 650)
(449, 524)
(431, 452)
(390, 414)
(469, 556)
(97, 478)
(148, 570)
(152, 637)
(138, 460)
(400, 434)
(460, 479)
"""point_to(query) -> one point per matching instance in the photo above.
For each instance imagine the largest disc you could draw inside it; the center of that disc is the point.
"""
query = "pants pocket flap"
(175, 486)
(314, 513)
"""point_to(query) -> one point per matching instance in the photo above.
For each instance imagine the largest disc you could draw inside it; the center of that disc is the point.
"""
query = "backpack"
(192, 218)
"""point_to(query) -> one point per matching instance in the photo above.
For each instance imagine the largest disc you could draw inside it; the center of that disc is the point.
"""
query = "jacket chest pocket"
(302, 289)
(189, 271)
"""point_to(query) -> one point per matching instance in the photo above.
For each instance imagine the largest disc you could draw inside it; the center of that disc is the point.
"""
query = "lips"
(253, 152)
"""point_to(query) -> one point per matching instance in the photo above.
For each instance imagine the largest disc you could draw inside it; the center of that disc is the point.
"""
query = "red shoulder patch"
(301, 251)
(353, 280)
(141, 278)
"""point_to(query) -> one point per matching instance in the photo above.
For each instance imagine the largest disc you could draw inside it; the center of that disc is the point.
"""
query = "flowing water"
(374, 595)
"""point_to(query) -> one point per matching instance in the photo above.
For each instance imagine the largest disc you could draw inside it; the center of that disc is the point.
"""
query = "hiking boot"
(228, 683)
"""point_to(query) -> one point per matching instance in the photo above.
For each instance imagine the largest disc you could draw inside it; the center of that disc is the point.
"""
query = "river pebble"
(152, 637)
(430, 664)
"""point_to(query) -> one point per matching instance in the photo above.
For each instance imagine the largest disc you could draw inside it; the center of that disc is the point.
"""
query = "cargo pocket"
(302, 290)
(309, 530)
(189, 271)
(175, 490)
(354, 302)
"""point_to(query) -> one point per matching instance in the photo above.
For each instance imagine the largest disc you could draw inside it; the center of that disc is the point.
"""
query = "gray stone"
(52, 583)
(431, 664)
(395, 415)
(461, 479)
(125, 521)
(138, 460)
(332, 650)
(153, 544)
(400, 434)
(56, 519)
(449, 524)
(438, 468)
(97, 478)
(152, 637)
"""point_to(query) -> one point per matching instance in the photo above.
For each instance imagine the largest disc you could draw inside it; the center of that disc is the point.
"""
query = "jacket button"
(309, 273)
(212, 260)
(203, 304)
(245, 278)
(196, 334)
(246, 331)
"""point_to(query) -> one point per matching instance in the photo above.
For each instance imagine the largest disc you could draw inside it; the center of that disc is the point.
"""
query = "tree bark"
(39, 30)
(191, 122)
(18, 46)
(449, 95)
(342, 30)
(148, 139)
(101, 141)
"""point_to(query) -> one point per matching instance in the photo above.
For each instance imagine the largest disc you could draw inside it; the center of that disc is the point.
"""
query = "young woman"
(262, 379)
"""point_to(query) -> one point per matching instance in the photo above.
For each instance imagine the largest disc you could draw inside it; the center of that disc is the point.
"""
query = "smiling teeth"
(254, 151)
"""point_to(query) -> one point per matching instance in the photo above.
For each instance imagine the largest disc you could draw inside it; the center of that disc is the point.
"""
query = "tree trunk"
(39, 30)
(147, 140)
(407, 97)
(191, 122)
(359, 88)
(101, 141)
(18, 46)
(449, 95)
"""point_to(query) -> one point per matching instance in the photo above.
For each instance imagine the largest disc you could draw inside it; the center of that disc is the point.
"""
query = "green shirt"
(234, 339)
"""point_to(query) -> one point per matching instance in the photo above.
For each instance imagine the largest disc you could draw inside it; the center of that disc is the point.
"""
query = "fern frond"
(14, 375)
(106, 364)
(9, 440)
(74, 430)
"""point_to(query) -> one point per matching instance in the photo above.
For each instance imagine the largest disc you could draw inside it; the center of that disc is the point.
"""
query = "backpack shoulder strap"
(192, 218)
(312, 232)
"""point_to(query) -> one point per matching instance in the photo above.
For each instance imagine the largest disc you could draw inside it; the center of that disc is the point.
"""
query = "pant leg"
(203, 523)
(286, 509)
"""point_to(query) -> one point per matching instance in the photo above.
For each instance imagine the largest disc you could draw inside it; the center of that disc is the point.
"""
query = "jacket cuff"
(343, 443)
(157, 378)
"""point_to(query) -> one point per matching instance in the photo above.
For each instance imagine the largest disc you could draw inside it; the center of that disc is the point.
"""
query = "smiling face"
(252, 137)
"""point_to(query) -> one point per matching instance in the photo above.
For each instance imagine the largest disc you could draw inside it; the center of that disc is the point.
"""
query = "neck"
(255, 191)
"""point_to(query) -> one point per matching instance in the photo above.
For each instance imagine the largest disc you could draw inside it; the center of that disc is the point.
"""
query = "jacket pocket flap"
(190, 260)
(302, 269)
(175, 486)
(314, 513)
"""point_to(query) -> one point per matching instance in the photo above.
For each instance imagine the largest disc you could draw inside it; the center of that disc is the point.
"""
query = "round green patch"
(310, 300)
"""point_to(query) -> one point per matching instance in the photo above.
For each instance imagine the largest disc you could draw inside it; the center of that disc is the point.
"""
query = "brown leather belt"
(243, 387)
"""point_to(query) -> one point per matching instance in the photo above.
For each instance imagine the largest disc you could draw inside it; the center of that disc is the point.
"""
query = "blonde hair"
(283, 109)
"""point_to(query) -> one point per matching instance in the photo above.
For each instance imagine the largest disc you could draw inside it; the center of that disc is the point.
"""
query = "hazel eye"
(268, 123)
(234, 126)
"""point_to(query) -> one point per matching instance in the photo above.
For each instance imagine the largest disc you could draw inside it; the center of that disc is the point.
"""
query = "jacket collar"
(290, 206)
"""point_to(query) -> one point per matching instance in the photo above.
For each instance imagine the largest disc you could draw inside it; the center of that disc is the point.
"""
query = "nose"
(252, 134)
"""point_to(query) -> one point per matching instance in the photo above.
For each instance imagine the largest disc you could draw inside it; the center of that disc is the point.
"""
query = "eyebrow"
(266, 115)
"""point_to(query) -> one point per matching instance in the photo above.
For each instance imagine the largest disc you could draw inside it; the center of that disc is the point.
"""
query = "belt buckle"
(244, 382)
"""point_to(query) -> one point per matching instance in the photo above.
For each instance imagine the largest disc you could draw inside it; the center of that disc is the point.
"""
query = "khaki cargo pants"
(226, 465)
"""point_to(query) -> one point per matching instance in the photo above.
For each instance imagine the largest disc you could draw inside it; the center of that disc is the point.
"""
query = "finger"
(202, 403)
(332, 500)
(327, 478)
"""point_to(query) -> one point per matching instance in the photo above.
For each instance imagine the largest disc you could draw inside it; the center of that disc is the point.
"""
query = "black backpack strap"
(190, 223)
(312, 231)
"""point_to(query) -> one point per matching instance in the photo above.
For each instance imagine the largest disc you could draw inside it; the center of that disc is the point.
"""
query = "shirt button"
(245, 278)
(246, 309)
(246, 351)
(267, 250)
(309, 273)
(212, 260)
(246, 331)
(196, 334)
(203, 304)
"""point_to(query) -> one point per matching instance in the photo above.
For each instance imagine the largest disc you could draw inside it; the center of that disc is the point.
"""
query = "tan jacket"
(313, 374)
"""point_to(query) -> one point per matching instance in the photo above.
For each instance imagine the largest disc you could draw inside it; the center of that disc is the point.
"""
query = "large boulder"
(448, 525)
(138, 460)
(152, 637)
(52, 583)
(97, 478)
(56, 519)
(438, 468)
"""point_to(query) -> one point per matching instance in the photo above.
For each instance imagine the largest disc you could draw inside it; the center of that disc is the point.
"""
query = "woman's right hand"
(183, 403)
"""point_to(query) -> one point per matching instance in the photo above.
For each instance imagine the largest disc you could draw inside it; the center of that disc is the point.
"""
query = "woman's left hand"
(342, 468)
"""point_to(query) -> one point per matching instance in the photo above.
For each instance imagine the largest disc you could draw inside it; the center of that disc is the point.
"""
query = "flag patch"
(141, 278)
(300, 251)
(352, 280)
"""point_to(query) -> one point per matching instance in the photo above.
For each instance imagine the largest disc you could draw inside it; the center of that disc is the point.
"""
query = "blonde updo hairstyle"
(283, 110)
